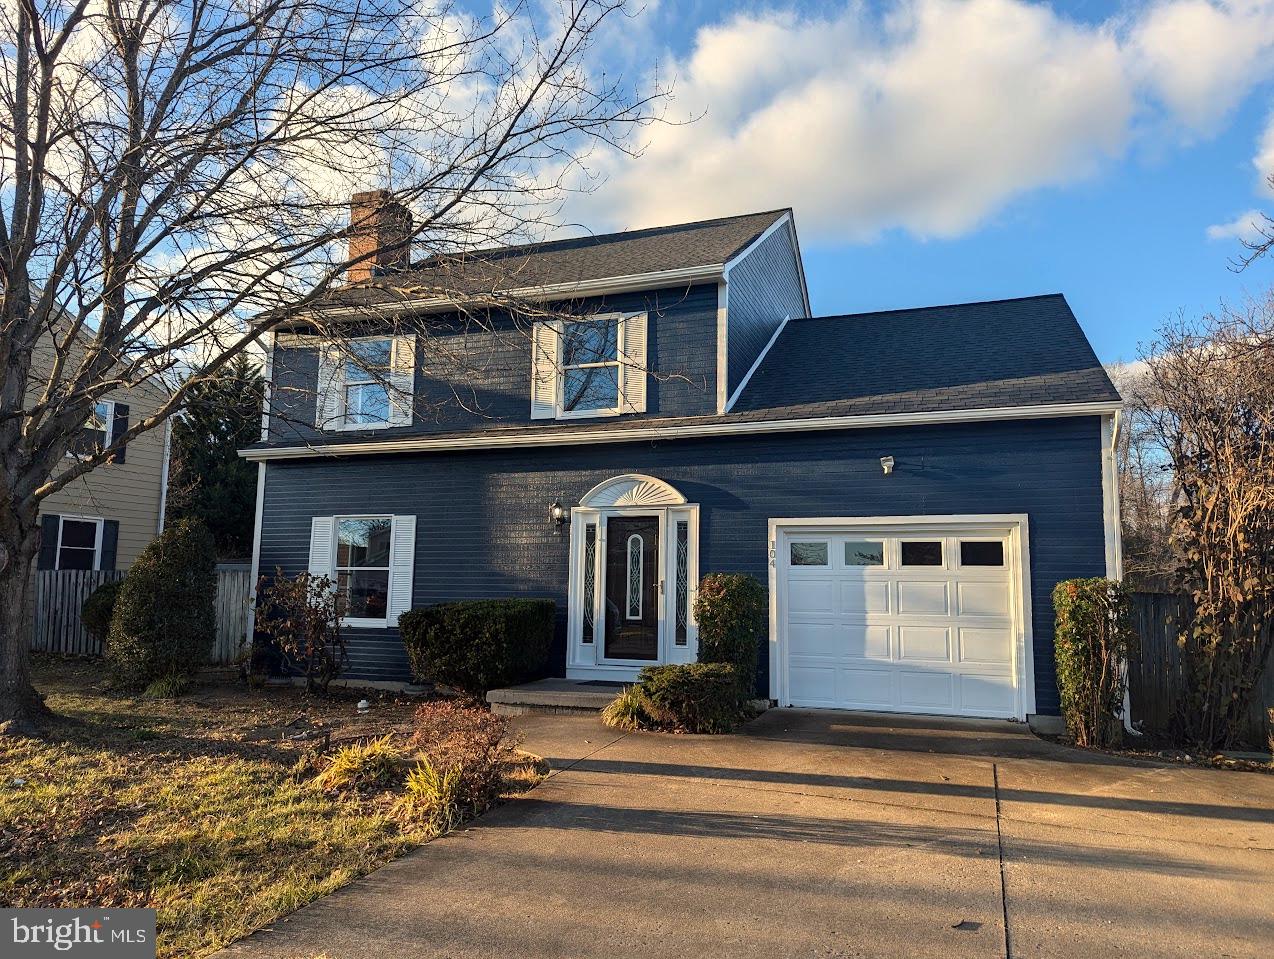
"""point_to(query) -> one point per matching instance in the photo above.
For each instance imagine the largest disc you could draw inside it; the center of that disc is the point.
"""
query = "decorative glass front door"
(631, 616)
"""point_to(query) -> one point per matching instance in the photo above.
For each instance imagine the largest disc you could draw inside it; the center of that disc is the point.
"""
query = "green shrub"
(629, 710)
(166, 687)
(732, 611)
(479, 645)
(98, 609)
(695, 697)
(165, 621)
(1094, 636)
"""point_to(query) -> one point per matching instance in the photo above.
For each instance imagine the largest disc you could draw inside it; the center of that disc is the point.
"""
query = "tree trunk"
(20, 704)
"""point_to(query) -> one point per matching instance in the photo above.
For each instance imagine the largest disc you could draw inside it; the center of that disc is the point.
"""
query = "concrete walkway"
(828, 836)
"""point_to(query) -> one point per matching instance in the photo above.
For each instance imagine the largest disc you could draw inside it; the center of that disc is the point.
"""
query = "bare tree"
(1145, 489)
(1209, 400)
(1258, 245)
(175, 186)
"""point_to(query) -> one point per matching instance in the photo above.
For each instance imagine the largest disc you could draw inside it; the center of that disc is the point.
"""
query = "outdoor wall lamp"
(557, 516)
(887, 464)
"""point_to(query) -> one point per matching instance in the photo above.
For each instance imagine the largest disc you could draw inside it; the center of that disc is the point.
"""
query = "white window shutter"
(322, 544)
(402, 379)
(330, 401)
(545, 362)
(402, 565)
(632, 331)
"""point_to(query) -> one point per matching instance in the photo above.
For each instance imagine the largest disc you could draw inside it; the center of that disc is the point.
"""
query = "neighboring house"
(911, 484)
(105, 518)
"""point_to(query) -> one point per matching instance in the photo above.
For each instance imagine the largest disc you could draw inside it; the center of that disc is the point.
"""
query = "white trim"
(256, 555)
(97, 521)
(723, 342)
(632, 489)
(756, 364)
(525, 437)
(163, 476)
(629, 283)
(1110, 498)
(268, 382)
(1016, 525)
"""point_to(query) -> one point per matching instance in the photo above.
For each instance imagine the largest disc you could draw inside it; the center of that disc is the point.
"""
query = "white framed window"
(370, 559)
(79, 543)
(589, 384)
(366, 383)
(362, 566)
(366, 386)
(589, 367)
(96, 433)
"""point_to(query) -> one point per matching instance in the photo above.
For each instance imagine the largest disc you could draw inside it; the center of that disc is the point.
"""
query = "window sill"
(588, 414)
(354, 623)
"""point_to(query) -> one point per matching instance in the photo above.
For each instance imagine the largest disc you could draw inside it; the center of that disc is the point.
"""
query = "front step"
(555, 696)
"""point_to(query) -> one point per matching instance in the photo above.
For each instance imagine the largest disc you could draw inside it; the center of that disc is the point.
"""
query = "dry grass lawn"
(195, 807)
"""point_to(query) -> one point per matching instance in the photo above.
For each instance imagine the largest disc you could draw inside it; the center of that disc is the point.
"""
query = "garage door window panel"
(922, 552)
(862, 552)
(986, 553)
(809, 553)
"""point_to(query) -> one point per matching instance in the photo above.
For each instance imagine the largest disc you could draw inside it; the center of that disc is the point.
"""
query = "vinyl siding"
(764, 288)
(482, 528)
(129, 492)
(476, 374)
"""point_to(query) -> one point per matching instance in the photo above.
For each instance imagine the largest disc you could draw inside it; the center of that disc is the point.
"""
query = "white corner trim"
(562, 436)
(256, 555)
(163, 476)
(756, 364)
(723, 341)
(267, 392)
(1110, 497)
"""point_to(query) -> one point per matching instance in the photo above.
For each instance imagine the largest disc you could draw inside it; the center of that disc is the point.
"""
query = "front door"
(631, 617)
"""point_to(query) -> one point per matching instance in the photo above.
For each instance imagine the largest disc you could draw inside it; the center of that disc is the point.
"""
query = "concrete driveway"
(824, 835)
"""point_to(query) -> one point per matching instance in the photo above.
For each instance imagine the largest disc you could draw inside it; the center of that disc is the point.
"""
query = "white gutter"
(517, 438)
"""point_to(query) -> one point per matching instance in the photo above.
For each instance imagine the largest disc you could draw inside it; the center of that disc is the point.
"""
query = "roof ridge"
(540, 245)
(936, 306)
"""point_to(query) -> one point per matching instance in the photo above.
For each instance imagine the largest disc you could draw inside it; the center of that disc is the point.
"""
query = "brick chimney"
(380, 230)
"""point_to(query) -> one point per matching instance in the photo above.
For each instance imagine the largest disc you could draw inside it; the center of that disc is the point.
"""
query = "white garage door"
(910, 619)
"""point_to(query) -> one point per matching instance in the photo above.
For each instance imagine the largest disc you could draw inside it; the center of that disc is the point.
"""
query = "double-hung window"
(96, 434)
(362, 565)
(367, 371)
(590, 366)
(79, 543)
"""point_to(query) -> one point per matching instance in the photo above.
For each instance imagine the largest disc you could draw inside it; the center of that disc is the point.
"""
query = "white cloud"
(1246, 226)
(929, 118)
(1200, 58)
(1264, 159)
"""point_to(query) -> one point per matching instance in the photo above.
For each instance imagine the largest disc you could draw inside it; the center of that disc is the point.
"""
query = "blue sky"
(938, 151)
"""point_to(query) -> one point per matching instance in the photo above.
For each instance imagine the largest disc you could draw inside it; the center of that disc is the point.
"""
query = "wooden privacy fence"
(59, 594)
(1155, 674)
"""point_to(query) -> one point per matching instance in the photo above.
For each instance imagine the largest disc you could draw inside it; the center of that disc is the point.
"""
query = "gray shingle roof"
(634, 252)
(1001, 353)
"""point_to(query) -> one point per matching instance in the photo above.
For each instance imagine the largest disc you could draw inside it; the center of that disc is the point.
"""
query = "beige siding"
(129, 492)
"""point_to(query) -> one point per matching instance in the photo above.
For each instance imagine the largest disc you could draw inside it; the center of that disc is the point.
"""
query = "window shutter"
(110, 542)
(545, 350)
(322, 538)
(331, 380)
(48, 541)
(402, 566)
(119, 426)
(632, 332)
(402, 379)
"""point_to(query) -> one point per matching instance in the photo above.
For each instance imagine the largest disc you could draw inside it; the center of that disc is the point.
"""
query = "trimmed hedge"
(98, 609)
(732, 611)
(1094, 636)
(165, 620)
(479, 645)
(696, 697)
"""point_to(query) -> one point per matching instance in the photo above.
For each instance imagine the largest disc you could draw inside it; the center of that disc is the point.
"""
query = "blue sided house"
(602, 421)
